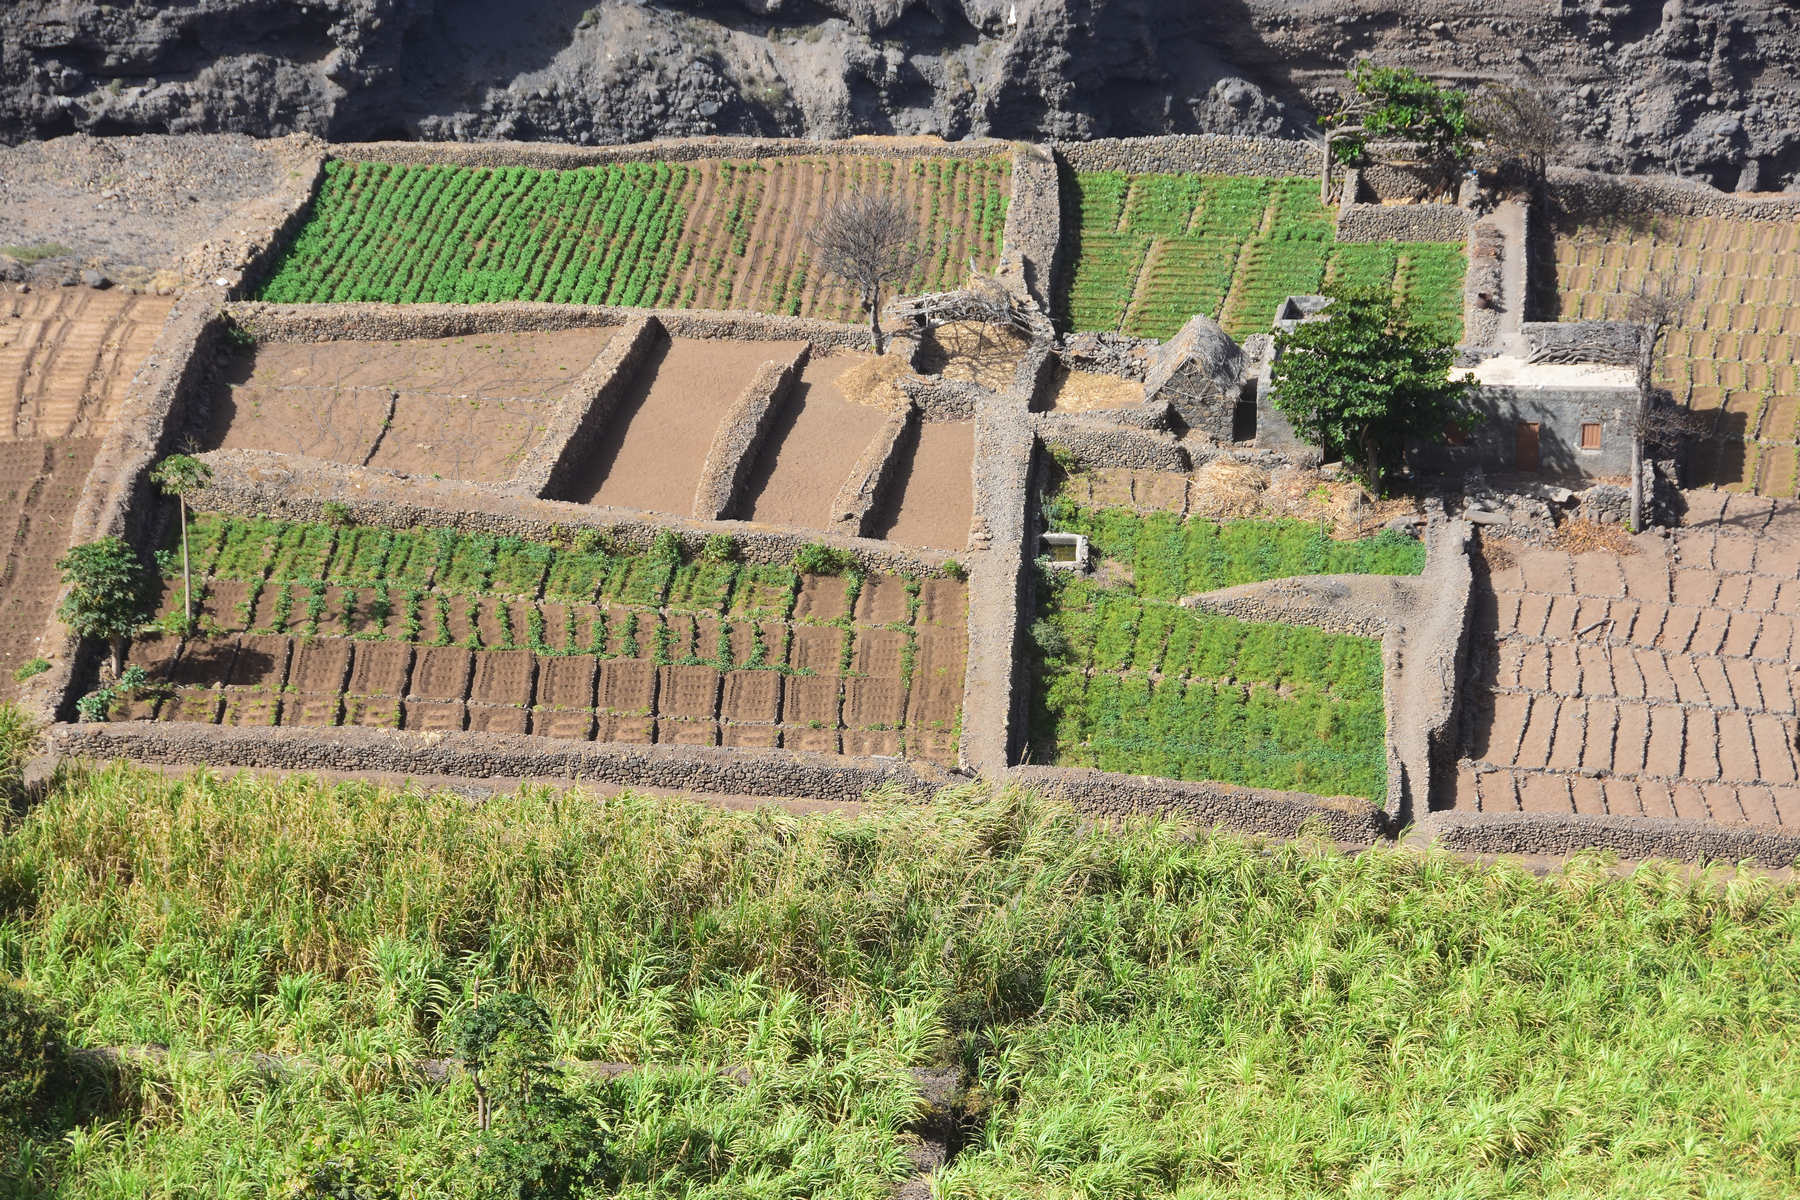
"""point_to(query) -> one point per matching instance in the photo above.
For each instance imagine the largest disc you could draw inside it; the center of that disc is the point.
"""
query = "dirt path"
(933, 495)
(812, 448)
(651, 456)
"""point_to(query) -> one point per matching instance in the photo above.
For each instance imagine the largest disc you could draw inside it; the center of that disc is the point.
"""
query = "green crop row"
(1109, 629)
(262, 550)
(1150, 251)
(1222, 732)
(1170, 557)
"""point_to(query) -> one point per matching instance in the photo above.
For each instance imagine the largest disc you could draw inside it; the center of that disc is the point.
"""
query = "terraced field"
(1735, 359)
(709, 234)
(313, 625)
(1150, 251)
(1127, 680)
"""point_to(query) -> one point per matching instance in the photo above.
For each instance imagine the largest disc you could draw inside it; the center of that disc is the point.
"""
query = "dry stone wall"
(584, 412)
(550, 156)
(481, 755)
(1589, 195)
(1402, 223)
(1214, 805)
(1631, 838)
(1098, 443)
(873, 473)
(1204, 153)
(1033, 236)
(740, 436)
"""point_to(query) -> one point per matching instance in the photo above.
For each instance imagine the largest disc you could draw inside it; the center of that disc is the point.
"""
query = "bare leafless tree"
(1658, 306)
(868, 241)
(1520, 125)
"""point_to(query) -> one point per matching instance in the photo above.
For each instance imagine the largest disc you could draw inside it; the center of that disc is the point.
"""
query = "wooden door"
(1525, 452)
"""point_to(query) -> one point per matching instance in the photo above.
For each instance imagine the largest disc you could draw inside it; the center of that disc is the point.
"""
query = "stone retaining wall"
(1634, 838)
(872, 474)
(942, 399)
(1205, 153)
(585, 410)
(1589, 195)
(740, 436)
(994, 696)
(294, 487)
(695, 149)
(484, 755)
(1402, 223)
(1033, 236)
(1214, 805)
(1096, 443)
(1486, 276)
(1424, 718)
(388, 322)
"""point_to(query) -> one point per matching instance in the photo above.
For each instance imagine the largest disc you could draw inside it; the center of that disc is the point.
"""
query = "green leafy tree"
(1360, 381)
(1398, 104)
(180, 476)
(108, 594)
(505, 1043)
(551, 1143)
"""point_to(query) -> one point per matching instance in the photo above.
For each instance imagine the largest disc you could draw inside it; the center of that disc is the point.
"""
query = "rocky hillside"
(1701, 87)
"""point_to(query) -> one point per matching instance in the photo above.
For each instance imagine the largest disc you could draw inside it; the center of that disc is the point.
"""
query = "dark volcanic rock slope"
(1704, 87)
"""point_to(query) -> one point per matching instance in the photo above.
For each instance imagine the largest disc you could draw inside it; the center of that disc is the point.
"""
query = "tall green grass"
(1139, 1010)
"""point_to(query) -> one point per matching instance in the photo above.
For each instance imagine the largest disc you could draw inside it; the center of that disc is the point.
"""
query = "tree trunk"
(874, 301)
(187, 574)
(1371, 464)
(1637, 482)
(118, 656)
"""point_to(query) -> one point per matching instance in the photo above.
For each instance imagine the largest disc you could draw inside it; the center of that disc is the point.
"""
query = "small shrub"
(97, 705)
(720, 548)
(335, 513)
(954, 570)
(33, 1063)
(31, 668)
(588, 541)
(816, 558)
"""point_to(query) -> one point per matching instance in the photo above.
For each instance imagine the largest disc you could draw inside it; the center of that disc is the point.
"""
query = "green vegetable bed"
(1150, 251)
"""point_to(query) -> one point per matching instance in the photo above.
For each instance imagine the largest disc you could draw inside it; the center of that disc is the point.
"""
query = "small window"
(1590, 435)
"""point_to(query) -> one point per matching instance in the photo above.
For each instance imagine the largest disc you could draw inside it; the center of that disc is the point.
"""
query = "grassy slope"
(1145, 1013)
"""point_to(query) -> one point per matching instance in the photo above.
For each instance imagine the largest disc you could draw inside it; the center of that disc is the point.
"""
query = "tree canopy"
(1361, 380)
(1399, 104)
(108, 593)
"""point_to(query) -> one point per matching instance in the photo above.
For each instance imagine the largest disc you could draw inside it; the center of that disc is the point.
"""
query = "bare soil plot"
(1074, 390)
(811, 449)
(40, 485)
(932, 499)
(1734, 360)
(650, 457)
(1658, 684)
(67, 354)
(464, 407)
(972, 352)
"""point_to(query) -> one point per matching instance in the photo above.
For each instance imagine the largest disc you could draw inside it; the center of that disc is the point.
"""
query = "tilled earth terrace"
(464, 407)
(497, 635)
(1656, 684)
(651, 452)
(1732, 358)
(66, 356)
(717, 233)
